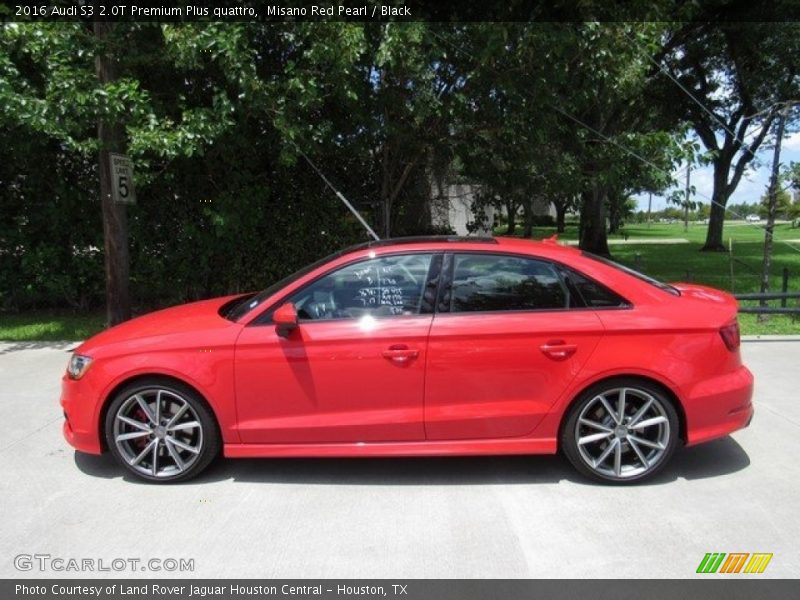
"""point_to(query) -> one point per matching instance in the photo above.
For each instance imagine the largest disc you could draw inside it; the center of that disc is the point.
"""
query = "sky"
(752, 186)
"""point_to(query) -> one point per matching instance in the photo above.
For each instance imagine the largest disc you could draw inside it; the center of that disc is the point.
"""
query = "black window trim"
(441, 305)
(443, 301)
(265, 317)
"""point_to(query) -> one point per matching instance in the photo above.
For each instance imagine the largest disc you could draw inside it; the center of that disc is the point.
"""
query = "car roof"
(425, 239)
(448, 239)
(471, 243)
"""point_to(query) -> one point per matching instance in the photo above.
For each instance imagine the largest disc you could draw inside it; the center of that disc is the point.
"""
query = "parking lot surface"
(491, 517)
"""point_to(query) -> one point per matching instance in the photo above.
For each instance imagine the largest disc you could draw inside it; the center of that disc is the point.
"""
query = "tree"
(620, 210)
(733, 76)
(553, 111)
(621, 145)
(563, 203)
(783, 204)
(64, 81)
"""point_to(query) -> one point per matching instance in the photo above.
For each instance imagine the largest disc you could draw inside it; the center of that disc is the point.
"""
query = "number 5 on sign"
(122, 179)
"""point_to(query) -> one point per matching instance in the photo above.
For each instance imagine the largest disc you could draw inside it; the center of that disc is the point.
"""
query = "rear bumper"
(80, 428)
(719, 406)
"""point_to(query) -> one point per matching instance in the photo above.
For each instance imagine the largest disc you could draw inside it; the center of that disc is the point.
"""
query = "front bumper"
(719, 406)
(81, 428)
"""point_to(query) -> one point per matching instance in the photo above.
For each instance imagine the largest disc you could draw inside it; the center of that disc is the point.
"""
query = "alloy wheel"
(623, 433)
(158, 433)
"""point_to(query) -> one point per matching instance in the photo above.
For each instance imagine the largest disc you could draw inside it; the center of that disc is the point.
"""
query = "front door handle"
(400, 353)
(558, 349)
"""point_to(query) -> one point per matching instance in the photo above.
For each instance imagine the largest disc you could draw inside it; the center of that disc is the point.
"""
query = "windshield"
(243, 308)
(646, 278)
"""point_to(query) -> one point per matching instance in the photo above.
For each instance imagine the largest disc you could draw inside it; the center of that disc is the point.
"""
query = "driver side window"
(379, 287)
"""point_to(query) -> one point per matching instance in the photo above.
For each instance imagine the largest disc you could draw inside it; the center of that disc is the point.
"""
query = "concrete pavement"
(427, 517)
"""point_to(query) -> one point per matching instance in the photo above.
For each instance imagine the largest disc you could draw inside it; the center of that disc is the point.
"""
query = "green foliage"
(217, 118)
(784, 208)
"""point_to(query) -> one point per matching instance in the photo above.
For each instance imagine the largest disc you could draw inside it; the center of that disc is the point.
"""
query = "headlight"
(78, 365)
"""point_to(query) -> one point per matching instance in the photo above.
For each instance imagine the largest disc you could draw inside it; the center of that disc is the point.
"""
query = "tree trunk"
(719, 199)
(511, 209)
(593, 221)
(773, 201)
(614, 214)
(115, 218)
(716, 220)
(527, 208)
(561, 216)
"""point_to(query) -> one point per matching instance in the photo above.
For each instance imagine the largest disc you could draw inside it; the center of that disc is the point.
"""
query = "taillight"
(730, 335)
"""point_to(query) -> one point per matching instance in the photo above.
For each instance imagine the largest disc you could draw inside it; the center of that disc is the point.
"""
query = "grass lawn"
(739, 231)
(49, 326)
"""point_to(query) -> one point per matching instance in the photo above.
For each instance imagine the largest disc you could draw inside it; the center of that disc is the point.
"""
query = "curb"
(771, 338)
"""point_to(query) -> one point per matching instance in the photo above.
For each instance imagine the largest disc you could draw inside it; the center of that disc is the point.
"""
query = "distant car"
(420, 346)
(753, 219)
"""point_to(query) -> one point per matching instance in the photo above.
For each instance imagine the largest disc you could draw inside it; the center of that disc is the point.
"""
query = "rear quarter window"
(665, 287)
(590, 293)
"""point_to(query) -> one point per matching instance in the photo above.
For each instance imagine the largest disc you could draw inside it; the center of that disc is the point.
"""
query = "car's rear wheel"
(161, 431)
(621, 431)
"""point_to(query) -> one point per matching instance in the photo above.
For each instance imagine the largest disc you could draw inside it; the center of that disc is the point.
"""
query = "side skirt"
(422, 448)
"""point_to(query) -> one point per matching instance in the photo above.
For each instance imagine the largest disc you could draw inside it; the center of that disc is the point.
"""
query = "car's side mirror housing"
(285, 319)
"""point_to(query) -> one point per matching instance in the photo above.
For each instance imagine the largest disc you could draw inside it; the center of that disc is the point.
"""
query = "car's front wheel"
(161, 431)
(621, 431)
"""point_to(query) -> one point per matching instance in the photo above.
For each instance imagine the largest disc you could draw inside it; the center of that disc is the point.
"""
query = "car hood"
(183, 319)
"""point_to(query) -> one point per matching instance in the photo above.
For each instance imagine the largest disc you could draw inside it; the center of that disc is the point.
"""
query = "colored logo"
(735, 562)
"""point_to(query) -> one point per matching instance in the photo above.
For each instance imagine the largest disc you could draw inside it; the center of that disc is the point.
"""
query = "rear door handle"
(400, 353)
(558, 349)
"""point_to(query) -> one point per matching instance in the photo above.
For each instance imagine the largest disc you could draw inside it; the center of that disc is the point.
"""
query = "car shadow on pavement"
(714, 459)
(8, 347)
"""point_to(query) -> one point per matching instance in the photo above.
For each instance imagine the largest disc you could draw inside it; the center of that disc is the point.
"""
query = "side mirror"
(285, 319)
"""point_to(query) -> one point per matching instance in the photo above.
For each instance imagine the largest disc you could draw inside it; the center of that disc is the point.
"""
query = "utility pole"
(686, 201)
(649, 206)
(772, 206)
(115, 217)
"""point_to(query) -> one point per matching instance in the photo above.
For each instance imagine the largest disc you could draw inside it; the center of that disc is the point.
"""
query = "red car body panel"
(431, 384)
(342, 387)
(489, 377)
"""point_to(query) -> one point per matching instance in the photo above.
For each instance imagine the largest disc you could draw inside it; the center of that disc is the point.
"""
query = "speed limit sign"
(122, 188)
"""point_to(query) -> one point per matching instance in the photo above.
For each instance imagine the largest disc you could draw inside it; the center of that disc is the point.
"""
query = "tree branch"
(749, 154)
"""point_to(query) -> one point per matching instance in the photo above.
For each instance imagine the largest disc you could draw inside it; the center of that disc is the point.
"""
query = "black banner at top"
(266, 11)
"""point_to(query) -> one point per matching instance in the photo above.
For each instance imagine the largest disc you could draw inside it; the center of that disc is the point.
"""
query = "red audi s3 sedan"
(420, 346)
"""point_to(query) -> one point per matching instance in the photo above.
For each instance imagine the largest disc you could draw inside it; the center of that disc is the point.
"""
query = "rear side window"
(491, 282)
(589, 293)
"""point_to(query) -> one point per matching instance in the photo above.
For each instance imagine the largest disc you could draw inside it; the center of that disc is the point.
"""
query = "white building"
(451, 207)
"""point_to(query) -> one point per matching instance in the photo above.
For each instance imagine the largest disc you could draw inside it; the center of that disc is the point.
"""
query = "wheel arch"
(668, 392)
(149, 377)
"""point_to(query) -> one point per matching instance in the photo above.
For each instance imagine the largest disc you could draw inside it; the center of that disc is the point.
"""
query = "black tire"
(658, 426)
(194, 428)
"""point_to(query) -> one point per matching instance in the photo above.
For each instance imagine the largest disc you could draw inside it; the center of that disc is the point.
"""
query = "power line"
(338, 193)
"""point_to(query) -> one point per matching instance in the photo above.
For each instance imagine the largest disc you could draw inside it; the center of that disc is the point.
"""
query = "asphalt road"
(396, 518)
